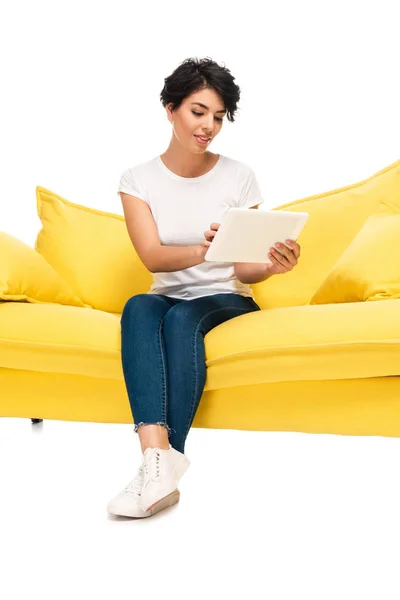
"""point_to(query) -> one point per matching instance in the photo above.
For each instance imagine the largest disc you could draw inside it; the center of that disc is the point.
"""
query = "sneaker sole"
(165, 502)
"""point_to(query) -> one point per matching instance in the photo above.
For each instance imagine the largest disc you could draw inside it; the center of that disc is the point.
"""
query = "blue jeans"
(163, 355)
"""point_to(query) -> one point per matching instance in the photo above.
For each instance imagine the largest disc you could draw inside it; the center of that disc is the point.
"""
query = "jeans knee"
(133, 304)
(179, 318)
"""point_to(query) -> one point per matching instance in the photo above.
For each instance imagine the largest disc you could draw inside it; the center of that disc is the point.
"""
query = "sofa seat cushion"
(299, 343)
(59, 339)
(306, 343)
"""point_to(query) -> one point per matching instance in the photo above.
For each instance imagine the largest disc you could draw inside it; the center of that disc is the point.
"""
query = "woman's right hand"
(209, 236)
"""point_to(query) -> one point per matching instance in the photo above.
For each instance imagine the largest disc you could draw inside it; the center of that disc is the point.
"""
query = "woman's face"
(191, 120)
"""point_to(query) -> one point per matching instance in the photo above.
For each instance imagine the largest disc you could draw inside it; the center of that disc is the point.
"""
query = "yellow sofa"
(322, 356)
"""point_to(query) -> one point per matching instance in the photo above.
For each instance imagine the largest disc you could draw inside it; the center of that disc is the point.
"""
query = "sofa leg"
(37, 420)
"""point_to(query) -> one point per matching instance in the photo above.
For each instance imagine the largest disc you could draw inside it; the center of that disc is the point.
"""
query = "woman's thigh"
(204, 313)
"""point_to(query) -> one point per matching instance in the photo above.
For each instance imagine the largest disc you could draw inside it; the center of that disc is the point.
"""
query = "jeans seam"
(194, 354)
(164, 406)
(163, 384)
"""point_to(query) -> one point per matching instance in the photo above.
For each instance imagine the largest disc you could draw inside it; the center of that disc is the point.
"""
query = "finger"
(295, 247)
(287, 255)
(280, 258)
(274, 260)
(294, 253)
(214, 226)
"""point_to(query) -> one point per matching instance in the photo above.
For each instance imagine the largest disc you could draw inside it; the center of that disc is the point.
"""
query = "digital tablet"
(246, 235)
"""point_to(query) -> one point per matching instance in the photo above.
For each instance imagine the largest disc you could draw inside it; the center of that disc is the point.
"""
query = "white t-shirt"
(183, 209)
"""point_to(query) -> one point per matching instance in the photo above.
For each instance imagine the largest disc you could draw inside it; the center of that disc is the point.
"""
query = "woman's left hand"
(280, 264)
(285, 263)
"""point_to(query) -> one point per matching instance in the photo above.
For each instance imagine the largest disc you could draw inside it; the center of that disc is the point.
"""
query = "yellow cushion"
(26, 276)
(370, 267)
(335, 219)
(91, 249)
(93, 253)
(299, 343)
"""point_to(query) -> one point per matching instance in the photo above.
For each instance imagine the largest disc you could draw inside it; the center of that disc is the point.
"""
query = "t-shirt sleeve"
(129, 184)
(250, 194)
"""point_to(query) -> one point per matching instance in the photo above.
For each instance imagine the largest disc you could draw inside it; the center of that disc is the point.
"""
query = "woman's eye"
(200, 114)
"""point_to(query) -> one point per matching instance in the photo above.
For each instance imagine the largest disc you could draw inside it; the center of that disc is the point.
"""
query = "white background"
(262, 514)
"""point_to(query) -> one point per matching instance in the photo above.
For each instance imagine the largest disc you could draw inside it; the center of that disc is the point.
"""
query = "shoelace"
(151, 465)
(135, 486)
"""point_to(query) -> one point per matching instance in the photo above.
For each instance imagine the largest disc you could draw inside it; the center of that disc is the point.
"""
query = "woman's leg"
(144, 366)
(184, 327)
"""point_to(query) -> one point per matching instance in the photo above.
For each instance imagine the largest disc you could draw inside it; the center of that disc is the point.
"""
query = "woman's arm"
(142, 230)
(251, 272)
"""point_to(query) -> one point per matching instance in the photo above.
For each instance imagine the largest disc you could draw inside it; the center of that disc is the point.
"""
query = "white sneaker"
(162, 472)
(127, 503)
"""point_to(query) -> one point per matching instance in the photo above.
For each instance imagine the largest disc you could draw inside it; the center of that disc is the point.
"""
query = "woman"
(169, 203)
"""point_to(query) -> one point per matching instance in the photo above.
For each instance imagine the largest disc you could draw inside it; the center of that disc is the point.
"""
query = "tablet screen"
(248, 235)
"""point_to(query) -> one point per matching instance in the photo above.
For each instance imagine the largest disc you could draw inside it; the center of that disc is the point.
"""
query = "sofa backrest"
(335, 219)
(93, 253)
